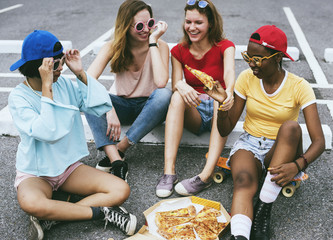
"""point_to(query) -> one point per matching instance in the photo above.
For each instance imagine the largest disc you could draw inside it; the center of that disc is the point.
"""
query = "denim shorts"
(206, 111)
(259, 146)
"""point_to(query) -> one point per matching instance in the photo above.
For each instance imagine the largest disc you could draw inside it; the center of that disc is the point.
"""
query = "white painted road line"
(10, 8)
(6, 89)
(305, 47)
(15, 46)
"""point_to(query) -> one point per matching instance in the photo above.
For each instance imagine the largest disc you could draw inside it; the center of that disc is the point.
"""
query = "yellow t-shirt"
(266, 112)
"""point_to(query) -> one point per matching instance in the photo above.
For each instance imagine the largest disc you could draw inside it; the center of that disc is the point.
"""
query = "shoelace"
(264, 219)
(46, 225)
(166, 178)
(197, 180)
(117, 219)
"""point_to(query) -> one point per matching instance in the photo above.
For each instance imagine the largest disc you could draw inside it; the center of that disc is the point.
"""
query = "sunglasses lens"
(191, 2)
(257, 61)
(202, 4)
(139, 26)
(56, 65)
(246, 57)
(151, 23)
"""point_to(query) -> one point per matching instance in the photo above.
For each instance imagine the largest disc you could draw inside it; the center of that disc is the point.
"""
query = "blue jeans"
(144, 113)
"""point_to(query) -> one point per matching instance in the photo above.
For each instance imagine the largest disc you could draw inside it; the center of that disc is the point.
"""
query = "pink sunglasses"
(139, 26)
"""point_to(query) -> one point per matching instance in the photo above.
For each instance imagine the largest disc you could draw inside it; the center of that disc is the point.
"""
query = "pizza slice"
(171, 232)
(204, 233)
(207, 80)
(167, 222)
(212, 224)
(209, 212)
(185, 234)
(181, 212)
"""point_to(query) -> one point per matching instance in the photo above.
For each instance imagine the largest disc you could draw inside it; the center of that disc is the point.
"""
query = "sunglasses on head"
(57, 62)
(201, 3)
(139, 26)
(257, 60)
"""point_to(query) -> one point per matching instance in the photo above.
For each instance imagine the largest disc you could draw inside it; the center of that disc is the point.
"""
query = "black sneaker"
(119, 217)
(105, 164)
(261, 221)
(119, 168)
(37, 228)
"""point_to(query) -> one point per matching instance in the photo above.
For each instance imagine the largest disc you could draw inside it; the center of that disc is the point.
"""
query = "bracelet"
(153, 45)
(298, 167)
(305, 161)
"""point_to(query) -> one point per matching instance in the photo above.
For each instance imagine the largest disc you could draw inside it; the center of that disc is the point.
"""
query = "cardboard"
(144, 233)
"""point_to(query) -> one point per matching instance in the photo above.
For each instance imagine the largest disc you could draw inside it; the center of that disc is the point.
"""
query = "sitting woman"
(273, 138)
(204, 48)
(140, 61)
(46, 111)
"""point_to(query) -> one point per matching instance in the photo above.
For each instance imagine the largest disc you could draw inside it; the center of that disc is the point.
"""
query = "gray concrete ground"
(307, 215)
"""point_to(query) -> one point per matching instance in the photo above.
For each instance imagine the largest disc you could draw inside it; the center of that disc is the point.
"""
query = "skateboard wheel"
(289, 190)
(218, 177)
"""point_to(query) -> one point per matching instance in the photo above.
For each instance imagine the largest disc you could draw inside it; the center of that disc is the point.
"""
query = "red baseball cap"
(272, 37)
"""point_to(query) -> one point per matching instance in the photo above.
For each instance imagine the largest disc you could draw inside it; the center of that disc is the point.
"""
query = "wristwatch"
(153, 45)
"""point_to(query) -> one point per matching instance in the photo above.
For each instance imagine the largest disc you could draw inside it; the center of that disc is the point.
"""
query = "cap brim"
(288, 56)
(16, 65)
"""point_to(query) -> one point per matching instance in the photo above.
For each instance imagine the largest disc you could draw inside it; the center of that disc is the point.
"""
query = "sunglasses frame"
(201, 3)
(257, 60)
(59, 61)
(144, 24)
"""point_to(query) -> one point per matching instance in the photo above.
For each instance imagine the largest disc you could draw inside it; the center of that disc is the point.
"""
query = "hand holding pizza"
(217, 92)
(229, 101)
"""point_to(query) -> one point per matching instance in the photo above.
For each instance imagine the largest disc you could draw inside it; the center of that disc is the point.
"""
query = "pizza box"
(149, 231)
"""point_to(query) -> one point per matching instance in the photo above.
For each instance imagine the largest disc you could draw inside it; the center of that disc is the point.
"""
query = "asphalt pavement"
(307, 215)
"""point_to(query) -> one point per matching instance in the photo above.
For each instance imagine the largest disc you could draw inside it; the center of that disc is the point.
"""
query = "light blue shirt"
(52, 133)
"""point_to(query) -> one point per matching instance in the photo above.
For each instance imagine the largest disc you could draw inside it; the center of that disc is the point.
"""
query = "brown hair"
(215, 33)
(121, 57)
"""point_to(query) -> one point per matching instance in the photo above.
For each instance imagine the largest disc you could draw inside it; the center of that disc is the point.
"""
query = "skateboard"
(224, 171)
(289, 190)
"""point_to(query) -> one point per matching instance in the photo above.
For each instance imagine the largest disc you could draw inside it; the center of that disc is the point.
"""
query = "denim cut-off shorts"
(259, 146)
(206, 111)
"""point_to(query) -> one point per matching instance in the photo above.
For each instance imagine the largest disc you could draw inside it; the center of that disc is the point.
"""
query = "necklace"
(33, 89)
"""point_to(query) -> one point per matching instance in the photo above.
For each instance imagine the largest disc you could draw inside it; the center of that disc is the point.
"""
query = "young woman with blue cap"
(46, 111)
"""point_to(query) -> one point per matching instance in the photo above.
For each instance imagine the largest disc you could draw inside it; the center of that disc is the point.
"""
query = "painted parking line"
(10, 8)
(15, 46)
(305, 47)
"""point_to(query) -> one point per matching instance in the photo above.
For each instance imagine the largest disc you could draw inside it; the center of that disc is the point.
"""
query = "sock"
(240, 225)
(270, 190)
(97, 213)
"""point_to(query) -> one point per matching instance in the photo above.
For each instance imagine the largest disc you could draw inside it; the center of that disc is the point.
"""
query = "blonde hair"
(121, 57)
(215, 21)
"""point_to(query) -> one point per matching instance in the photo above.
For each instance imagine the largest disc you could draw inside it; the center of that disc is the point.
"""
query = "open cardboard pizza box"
(149, 231)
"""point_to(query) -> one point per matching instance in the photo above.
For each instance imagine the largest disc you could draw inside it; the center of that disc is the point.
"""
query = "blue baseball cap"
(37, 45)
